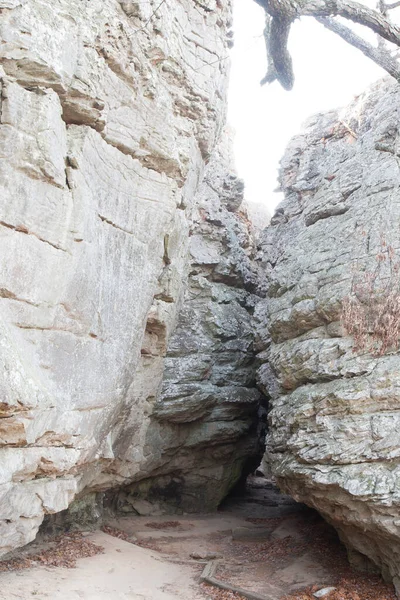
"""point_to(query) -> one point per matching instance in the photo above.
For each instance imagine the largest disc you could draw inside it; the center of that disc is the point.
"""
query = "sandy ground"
(264, 542)
(124, 572)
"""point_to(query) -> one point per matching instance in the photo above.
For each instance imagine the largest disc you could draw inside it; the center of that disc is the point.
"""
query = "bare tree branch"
(354, 11)
(284, 12)
(380, 56)
(381, 6)
(280, 66)
(271, 71)
(392, 6)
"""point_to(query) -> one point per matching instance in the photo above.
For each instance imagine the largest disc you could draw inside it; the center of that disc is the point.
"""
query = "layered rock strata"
(205, 431)
(109, 111)
(335, 422)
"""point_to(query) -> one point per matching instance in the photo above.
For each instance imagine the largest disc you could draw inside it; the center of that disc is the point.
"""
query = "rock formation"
(335, 422)
(109, 111)
(204, 430)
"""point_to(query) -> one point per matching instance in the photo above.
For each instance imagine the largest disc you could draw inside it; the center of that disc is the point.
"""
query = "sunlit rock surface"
(109, 111)
(334, 440)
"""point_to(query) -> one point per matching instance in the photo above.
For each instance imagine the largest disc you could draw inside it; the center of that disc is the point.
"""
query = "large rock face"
(334, 440)
(109, 110)
(203, 432)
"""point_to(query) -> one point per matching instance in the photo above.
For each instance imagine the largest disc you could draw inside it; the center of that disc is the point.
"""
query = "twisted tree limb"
(276, 34)
(282, 13)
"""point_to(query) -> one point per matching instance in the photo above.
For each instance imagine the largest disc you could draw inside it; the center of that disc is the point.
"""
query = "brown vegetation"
(63, 551)
(371, 312)
(354, 588)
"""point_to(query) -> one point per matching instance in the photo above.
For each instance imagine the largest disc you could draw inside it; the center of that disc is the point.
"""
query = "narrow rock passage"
(263, 541)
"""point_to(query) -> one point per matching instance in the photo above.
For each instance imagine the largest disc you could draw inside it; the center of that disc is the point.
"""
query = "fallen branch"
(207, 576)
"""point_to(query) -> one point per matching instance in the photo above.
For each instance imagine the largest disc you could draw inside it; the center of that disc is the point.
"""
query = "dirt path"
(265, 543)
(123, 572)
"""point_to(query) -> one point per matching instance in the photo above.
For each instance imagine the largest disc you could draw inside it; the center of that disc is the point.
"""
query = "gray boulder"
(334, 440)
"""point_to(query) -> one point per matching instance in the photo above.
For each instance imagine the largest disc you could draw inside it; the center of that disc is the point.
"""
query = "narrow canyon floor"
(263, 542)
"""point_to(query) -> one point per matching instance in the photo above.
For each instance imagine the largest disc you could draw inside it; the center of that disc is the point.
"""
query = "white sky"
(329, 73)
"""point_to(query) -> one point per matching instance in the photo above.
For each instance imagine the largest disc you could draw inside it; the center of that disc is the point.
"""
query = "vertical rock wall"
(204, 429)
(109, 110)
(334, 422)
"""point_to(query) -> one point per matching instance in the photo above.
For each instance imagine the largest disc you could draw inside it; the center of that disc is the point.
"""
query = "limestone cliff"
(334, 422)
(109, 111)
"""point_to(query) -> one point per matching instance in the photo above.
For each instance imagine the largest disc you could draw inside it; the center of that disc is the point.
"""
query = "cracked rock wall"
(204, 433)
(334, 421)
(108, 113)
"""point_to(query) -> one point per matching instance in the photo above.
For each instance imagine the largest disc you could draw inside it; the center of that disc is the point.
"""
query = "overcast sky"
(329, 73)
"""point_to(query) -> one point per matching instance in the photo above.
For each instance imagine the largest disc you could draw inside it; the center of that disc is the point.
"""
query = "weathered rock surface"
(109, 110)
(335, 422)
(204, 430)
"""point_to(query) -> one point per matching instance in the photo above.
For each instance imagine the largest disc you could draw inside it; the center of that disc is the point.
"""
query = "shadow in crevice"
(260, 496)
